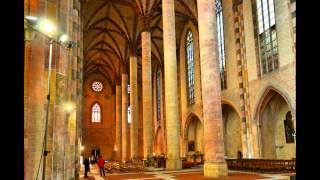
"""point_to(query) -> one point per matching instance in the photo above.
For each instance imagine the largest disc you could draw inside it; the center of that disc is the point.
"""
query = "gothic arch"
(197, 134)
(159, 141)
(263, 94)
(232, 130)
(270, 113)
(188, 121)
(231, 104)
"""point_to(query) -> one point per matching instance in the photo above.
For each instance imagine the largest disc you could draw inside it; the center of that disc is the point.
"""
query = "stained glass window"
(158, 98)
(267, 36)
(190, 67)
(96, 113)
(220, 37)
(97, 86)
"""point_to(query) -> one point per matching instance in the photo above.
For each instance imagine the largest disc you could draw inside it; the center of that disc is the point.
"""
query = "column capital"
(124, 75)
(145, 20)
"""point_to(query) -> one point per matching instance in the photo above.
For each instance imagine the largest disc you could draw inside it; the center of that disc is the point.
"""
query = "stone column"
(35, 97)
(171, 86)
(134, 109)
(215, 165)
(118, 123)
(147, 94)
(124, 107)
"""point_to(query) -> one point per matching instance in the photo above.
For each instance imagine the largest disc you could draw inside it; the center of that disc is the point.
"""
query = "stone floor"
(190, 174)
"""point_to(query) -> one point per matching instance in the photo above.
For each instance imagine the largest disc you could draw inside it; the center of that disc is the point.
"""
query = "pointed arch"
(159, 141)
(191, 116)
(270, 120)
(263, 94)
(193, 134)
(231, 104)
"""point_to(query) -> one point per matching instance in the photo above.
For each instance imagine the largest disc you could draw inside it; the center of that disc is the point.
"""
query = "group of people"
(160, 160)
(86, 164)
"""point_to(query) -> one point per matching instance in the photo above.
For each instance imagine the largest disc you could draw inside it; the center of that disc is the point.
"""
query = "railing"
(262, 165)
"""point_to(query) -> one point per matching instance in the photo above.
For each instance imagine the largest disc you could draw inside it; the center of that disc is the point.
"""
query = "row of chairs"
(262, 165)
(189, 164)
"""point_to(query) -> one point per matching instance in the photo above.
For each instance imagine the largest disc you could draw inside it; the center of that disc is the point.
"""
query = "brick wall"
(102, 134)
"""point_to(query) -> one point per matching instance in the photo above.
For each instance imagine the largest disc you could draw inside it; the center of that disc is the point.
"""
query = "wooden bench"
(262, 165)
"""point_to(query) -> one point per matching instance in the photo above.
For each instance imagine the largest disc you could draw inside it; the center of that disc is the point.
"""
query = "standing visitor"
(101, 165)
(86, 167)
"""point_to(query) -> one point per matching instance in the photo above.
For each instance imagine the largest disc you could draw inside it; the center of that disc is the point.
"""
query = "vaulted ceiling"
(112, 32)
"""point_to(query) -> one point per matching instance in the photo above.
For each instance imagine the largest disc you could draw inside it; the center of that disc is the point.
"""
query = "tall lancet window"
(190, 67)
(96, 113)
(158, 98)
(220, 37)
(129, 114)
(267, 36)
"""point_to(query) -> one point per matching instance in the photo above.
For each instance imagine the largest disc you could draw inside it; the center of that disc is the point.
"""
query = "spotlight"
(63, 38)
(31, 18)
(46, 26)
(68, 107)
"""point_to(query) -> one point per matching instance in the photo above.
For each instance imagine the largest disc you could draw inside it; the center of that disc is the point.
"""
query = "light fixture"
(68, 107)
(82, 148)
(31, 18)
(63, 38)
(46, 26)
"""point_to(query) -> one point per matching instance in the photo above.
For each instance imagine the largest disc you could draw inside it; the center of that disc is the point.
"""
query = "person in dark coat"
(239, 155)
(86, 164)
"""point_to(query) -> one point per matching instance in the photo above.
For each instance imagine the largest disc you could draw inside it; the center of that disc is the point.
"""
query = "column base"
(173, 164)
(135, 160)
(215, 169)
(117, 156)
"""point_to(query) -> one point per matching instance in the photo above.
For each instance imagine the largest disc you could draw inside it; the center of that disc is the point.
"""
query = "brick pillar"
(215, 165)
(134, 109)
(118, 123)
(59, 124)
(171, 86)
(242, 76)
(34, 119)
(27, 74)
(147, 94)
(124, 108)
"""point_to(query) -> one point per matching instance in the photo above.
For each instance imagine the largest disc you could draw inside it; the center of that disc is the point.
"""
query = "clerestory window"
(190, 67)
(220, 37)
(267, 36)
(158, 97)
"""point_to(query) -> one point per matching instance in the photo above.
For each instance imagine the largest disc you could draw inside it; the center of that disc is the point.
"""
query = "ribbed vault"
(112, 32)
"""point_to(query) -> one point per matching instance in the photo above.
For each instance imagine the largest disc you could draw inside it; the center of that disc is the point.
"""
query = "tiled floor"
(193, 174)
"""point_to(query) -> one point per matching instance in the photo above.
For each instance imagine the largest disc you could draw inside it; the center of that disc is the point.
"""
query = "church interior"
(160, 89)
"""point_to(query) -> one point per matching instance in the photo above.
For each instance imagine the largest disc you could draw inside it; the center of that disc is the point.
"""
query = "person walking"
(101, 165)
(86, 164)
